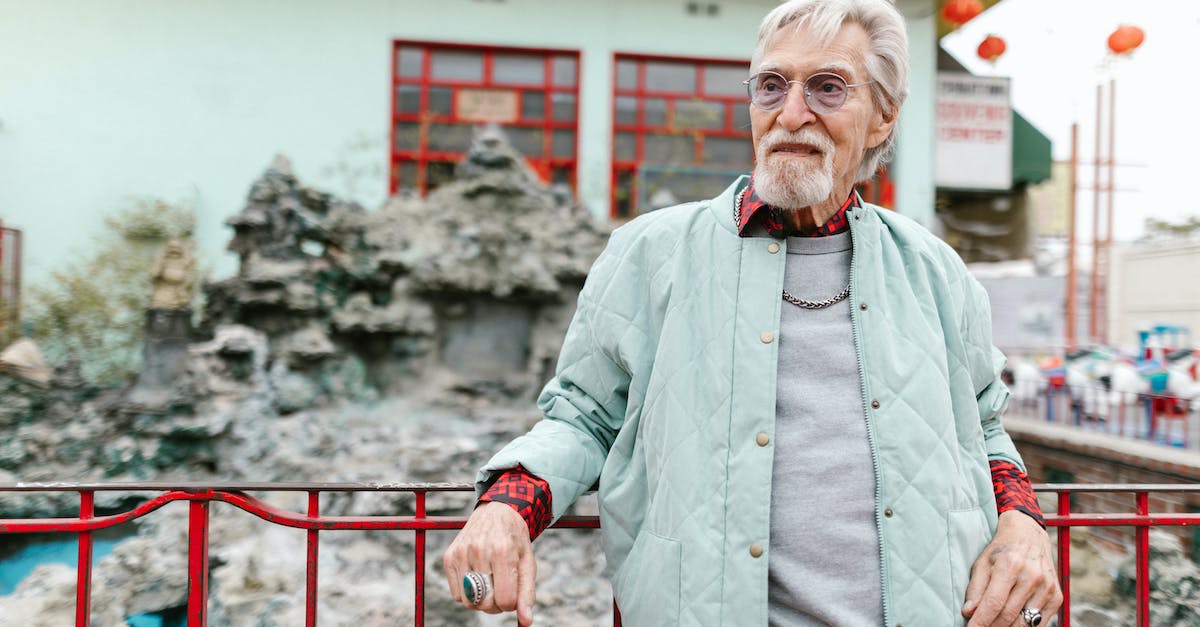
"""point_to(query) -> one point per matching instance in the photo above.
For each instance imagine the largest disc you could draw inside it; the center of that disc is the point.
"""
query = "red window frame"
(549, 165)
(625, 199)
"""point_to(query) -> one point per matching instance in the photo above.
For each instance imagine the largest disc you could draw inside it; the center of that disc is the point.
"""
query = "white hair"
(887, 59)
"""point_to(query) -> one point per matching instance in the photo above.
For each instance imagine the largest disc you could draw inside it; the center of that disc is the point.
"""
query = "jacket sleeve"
(584, 404)
(986, 363)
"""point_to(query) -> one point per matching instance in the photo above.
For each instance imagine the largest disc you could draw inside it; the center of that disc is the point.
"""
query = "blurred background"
(358, 196)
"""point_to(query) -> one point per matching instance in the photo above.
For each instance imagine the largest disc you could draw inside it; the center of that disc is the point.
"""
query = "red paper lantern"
(959, 12)
(991, 48)
(1126, 39)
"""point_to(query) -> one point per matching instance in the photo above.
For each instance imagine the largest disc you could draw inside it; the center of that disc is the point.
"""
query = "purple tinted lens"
(767, 90)
(825, 93)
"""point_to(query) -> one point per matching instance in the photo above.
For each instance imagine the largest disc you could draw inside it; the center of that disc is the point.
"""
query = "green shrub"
(92, 309)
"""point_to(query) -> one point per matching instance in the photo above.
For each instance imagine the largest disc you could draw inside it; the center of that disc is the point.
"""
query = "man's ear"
(882, 124)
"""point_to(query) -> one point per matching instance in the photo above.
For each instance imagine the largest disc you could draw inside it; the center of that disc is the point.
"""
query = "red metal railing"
(200, 495)
(1153, 417)
(1140, 519)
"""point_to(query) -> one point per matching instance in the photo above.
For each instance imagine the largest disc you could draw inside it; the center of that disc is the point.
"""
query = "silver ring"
(476, 586)
(1032, 616)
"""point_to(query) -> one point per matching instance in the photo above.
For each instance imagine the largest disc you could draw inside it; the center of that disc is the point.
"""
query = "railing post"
(197, 611)
(83, 586)
(310, 595)
(1064, 559)
(419, 556)
(1143, 561)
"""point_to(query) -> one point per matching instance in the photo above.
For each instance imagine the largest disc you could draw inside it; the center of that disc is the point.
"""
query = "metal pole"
(1093, 283)
(197, 606)
(1108, 232)
(1072, 287)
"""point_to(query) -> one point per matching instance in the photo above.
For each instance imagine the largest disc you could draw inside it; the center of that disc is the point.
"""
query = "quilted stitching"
(645, 389)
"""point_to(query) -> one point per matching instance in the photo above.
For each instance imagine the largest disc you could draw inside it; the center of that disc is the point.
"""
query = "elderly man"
(789, 397)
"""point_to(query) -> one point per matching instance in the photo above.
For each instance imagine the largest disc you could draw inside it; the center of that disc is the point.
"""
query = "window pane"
(562, 174)
(656, 112)
(563, 143)
(533, 105)
(527, 141)
(667, 188)
(623, 194)
(565, 71)
(408, 135)
(450, 137)
(405, 174)
(625, 148)
(522, 69)
(741, 117)
(728, 151)
(438, 173)
(564, 107)
(440, 99)
(408, 99)
(662, 148)
(667, 76)
(408, 62)
(626, 110)
(699, 114)
(725, 80)
(626, 74)
(455, 65)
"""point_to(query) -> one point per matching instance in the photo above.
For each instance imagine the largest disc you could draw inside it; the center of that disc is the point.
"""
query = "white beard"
(789, 182)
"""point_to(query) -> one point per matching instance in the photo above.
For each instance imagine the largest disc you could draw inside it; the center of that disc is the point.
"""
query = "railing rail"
(200, 495)
(1148, 416)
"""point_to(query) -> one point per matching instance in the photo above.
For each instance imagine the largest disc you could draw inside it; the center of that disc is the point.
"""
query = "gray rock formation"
(404, 344)
(1174, 582)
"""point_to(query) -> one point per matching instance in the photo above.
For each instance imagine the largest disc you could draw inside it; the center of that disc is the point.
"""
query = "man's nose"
(795, 112)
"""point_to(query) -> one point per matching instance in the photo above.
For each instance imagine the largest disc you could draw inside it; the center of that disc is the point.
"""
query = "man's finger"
(450, 564)
(526, 584)
(980, 575)
(1046, 599)
(504, 583)
(991, 603)
(1021, 596)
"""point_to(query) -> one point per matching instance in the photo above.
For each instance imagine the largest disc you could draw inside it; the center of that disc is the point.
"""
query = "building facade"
(631, 102)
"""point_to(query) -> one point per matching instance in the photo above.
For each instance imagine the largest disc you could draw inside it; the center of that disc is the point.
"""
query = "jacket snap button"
(875, 404)
(756, 550)
(767, 337)
(773, 248)
(888, 512)
(763, 439)
(863, 306)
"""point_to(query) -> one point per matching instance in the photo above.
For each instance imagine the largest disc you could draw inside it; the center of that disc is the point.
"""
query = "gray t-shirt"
(824, 565)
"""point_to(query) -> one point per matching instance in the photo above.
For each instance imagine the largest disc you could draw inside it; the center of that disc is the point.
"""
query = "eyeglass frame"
(804, 87)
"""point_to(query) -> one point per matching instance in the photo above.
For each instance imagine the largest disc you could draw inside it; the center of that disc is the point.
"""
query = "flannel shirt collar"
(754, 210)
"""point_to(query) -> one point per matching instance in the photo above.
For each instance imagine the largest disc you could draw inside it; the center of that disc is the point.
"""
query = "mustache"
(778, 137)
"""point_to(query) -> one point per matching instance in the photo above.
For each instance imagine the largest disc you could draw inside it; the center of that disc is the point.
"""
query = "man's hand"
(495, 542)
(1016, 571)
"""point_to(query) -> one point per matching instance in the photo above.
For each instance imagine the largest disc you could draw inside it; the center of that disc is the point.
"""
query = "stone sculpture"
(173, 278)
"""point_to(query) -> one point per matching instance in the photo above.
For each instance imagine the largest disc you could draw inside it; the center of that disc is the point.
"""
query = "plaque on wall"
(487, 105)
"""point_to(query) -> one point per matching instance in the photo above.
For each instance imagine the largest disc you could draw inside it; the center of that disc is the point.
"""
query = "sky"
(1056, 56)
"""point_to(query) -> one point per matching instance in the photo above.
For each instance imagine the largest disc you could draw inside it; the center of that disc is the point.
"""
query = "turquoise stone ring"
(475, 586)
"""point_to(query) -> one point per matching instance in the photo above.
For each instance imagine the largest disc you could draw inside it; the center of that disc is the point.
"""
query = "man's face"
(803, 158)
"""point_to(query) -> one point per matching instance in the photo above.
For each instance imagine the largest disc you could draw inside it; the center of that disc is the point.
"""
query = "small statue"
(174, 272)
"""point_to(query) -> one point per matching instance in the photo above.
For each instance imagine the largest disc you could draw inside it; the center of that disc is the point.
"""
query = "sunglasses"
(824, 92)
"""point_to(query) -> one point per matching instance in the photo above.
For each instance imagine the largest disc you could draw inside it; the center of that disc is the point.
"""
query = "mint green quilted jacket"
(668, 373)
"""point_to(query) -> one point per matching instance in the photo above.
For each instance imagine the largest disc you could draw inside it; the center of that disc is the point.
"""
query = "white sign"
(974, 132)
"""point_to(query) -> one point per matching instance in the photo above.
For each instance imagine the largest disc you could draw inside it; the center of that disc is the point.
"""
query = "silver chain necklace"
(799, 302)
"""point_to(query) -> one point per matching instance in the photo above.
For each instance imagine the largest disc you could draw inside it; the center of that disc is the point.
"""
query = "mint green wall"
(102, 101)
(913, 161)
